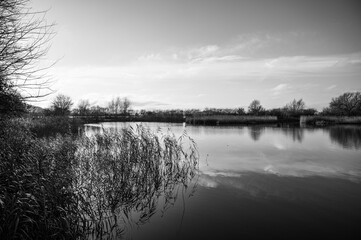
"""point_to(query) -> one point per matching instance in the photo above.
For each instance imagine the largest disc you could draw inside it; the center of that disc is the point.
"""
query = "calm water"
(264, 181)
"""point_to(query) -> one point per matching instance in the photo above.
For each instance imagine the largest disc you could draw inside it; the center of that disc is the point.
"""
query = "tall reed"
(62, 187)
(129, 171)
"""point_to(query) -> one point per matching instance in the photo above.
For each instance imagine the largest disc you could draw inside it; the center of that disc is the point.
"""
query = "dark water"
(264, 182)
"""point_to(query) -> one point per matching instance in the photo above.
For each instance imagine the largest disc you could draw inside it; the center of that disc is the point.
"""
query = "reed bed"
(230, 119)
(315, 120)
(88, 187)
(121, 172)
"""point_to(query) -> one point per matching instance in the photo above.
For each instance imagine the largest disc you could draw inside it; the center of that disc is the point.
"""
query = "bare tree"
(295, 106)
(118, 105)
(111, 106)
(255, 108)
(126, 105)
(61, 105)
(115, 105)
(83, 107)
(24, 41)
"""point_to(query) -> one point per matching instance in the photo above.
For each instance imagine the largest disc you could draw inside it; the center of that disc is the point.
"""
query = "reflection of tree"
(256, 131)
(346, 136)
(122, 176)
(295, 132)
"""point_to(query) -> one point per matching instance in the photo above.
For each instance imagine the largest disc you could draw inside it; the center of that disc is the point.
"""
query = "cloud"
(279, 89)
(331, 87)
(158, 78)
(148, 104)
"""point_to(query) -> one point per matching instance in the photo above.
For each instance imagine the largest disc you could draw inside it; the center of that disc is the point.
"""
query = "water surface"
(264, 182)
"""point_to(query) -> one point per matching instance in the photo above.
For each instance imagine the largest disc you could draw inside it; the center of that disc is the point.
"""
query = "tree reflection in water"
(123, 176)
(256, 131)
(346, 136)
(295, 132)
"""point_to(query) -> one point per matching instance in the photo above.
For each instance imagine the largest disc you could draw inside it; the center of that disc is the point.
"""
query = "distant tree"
(126, 105)
(255, 108)
(240, 111)
(83, 107)
(115, 105)
(118, 105)
(61, 105)
(111, 106)
(97, 110)
(278, 112)
(347, 104)
(295, 106)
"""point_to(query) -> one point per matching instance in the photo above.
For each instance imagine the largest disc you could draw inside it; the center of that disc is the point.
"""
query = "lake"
(263, 182)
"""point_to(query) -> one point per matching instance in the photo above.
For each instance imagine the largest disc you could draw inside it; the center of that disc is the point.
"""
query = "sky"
(168, 54)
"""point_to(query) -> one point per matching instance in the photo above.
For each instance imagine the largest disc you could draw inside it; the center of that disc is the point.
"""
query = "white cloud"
(160, 77)
(331, 87)
(280, 88)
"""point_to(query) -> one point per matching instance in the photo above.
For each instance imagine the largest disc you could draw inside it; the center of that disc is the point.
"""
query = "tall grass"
(51, 126)
(119, 172)
(33, 176)
(87, 187)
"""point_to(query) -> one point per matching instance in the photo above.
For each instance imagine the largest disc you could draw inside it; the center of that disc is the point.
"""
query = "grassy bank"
(54, 184)
(328, 120)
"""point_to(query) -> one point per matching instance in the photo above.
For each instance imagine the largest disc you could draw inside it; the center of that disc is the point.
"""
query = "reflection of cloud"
(214, 173)
(279, 146)
(270, 169)
(261, 185)
(206, 181)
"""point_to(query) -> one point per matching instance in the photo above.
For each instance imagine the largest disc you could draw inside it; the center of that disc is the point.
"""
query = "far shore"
(214, 120)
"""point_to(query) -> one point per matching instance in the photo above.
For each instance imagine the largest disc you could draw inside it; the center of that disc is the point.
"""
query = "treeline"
(347, 104)
(62, 105)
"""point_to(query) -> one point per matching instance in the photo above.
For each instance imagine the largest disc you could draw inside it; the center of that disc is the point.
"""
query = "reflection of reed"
(346, 136)
(124, 174)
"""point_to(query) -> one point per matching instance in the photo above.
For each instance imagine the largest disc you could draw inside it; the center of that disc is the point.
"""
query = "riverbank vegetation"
(68, 186)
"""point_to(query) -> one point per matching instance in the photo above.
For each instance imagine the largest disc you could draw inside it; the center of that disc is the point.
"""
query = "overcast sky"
(205, 53)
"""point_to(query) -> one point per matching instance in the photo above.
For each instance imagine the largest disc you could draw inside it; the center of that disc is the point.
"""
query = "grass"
(67, 187)
(324, 120)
